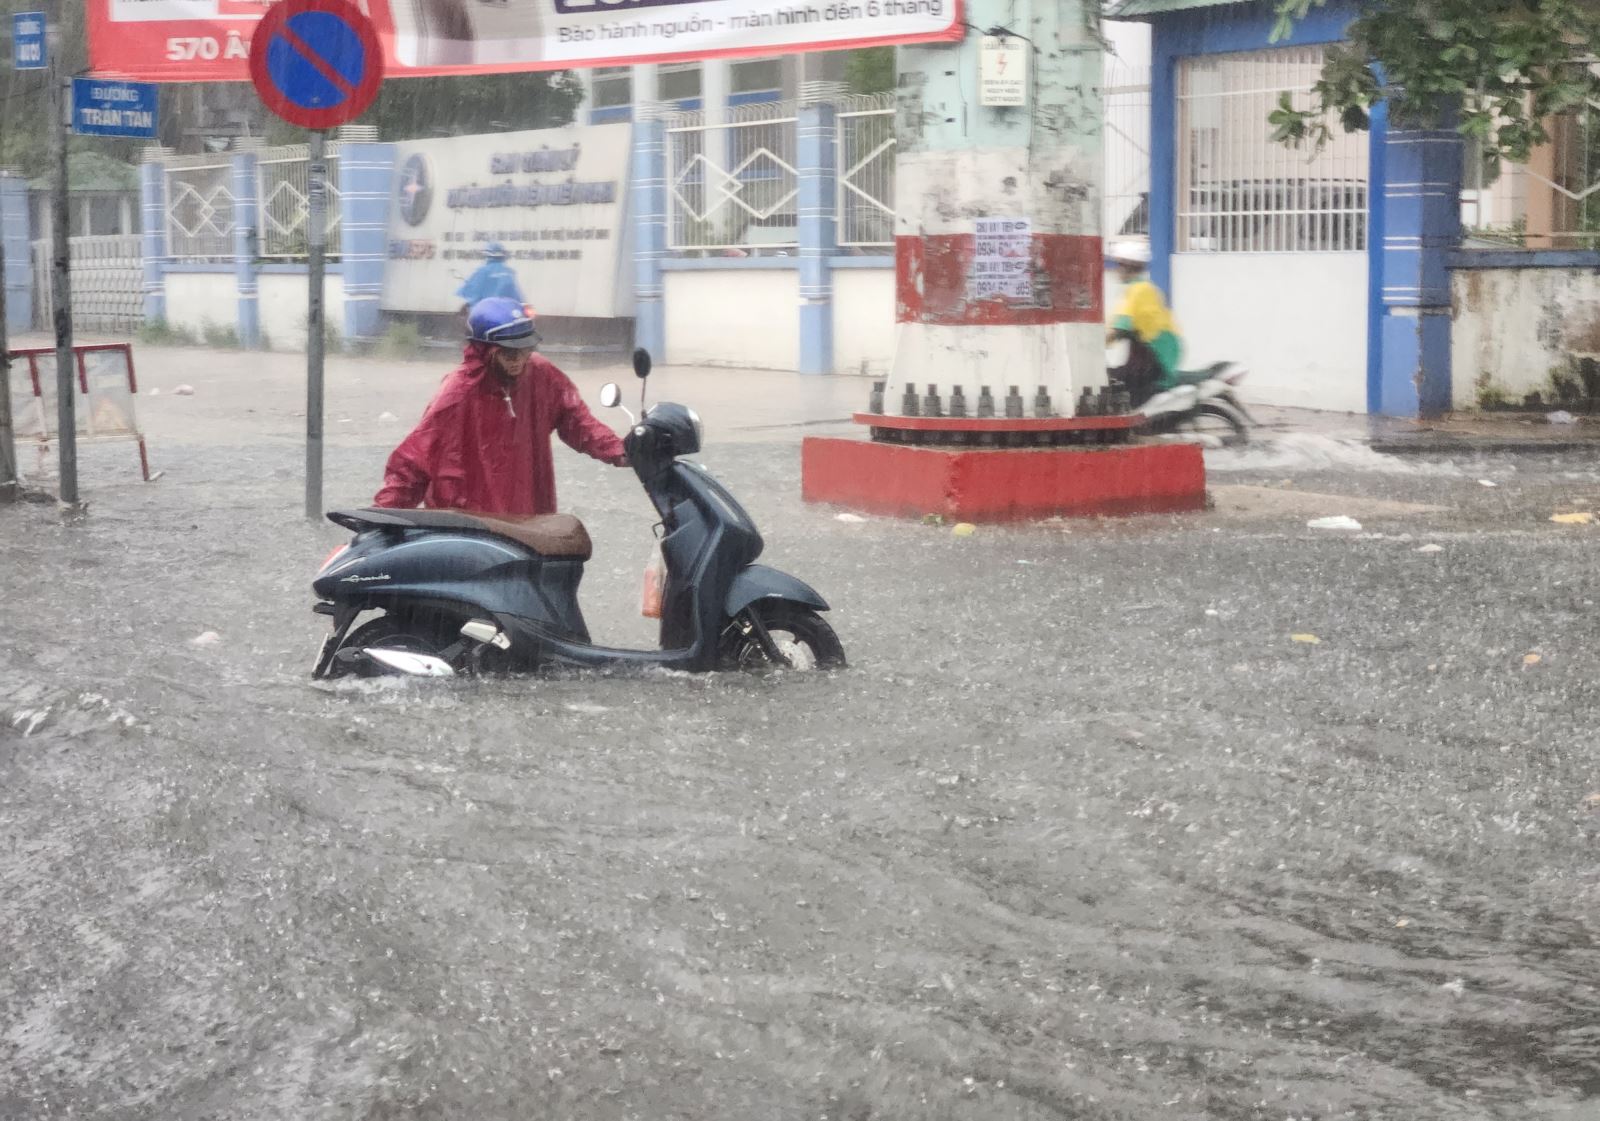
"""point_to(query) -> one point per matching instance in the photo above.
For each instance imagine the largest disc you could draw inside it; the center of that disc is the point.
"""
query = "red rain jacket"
(484, 443)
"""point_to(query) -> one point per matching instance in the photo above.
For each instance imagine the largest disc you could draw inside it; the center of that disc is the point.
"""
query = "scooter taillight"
(333, 556)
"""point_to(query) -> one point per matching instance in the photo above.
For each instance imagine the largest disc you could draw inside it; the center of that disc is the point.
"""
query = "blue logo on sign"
(319, 77)
(416, 189)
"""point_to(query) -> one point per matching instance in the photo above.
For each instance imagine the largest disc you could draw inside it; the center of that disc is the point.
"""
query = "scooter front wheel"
(801, 637)
(1208, 420)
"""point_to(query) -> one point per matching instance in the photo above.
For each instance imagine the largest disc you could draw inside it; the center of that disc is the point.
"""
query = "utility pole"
(61, 288)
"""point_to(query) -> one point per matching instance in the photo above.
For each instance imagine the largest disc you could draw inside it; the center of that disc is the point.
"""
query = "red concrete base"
(1001, 485)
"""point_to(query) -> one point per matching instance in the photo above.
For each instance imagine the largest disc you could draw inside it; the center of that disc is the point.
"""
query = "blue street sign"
(28, 51)
(102, 108)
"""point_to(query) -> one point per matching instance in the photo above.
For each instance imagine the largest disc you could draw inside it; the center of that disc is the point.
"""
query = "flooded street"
(1200, 817)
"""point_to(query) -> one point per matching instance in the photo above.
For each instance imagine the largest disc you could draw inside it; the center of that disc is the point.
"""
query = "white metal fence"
(864, 166)
(202, 211)
(732, 182)
(107, 283)
(283, 202)
(1126, 198)
(1551, 202)
(1239, 191)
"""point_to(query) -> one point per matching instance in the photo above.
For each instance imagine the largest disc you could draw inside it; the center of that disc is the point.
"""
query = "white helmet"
(1129, 251)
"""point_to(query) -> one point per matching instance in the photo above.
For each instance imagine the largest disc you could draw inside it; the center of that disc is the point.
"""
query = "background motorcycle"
(1205, 404)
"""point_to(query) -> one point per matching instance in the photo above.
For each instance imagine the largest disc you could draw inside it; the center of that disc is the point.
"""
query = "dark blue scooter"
(462, 593)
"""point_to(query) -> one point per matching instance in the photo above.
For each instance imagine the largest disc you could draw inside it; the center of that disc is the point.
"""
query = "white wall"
(283, 307)
(734, 317)
(1298, 321)
(1511, 327)
(195, 299)
(863, 320)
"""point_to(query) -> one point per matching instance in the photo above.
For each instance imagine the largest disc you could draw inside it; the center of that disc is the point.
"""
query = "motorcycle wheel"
(800, 634)
(1209, 420)
(390, 633)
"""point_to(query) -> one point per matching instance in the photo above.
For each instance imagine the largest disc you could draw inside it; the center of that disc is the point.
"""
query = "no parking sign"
(316, 63)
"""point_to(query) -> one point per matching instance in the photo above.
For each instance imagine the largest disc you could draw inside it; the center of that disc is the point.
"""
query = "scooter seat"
(550, 535)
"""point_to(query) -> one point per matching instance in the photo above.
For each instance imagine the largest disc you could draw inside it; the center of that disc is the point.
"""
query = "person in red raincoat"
(483, 444)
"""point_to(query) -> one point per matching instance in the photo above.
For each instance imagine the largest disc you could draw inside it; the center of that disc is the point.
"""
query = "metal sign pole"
(61, 295)
(316, 220)
(10, 483)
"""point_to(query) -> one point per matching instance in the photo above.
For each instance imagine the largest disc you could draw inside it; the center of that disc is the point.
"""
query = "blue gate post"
(650, 230)
(366, 184)
(1420, 225)
(153, 221)
(246, 245)
(18, 252)
(818, 232)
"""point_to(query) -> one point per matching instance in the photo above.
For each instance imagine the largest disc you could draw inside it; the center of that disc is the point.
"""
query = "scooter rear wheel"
(387, 632)
(801, 635)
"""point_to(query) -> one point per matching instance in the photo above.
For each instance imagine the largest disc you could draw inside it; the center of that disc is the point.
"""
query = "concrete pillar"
(815, 154)
(153, 239)
(646, 87)
(18, 248)
(1418, 218)
(959, 162)
(366, 184)
(649, 195)
(716, 81)
(246, 245)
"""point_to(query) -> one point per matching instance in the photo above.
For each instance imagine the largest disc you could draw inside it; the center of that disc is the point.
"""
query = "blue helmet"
(501, 321)
(494, 251)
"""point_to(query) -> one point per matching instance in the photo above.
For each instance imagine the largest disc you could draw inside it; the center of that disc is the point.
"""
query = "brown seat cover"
(550, 535)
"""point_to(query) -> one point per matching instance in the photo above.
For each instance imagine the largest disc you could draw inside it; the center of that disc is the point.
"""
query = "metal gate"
(107, 283)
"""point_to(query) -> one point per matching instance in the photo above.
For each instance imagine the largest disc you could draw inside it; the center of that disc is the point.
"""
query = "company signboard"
(555, 199)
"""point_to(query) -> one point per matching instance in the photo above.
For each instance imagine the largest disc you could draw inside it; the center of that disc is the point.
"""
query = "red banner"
(209, 40)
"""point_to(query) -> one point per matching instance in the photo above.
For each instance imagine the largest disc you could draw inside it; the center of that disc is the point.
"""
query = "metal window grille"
(1126, 199)
(283, 202)
(865, 145)
(199, 209)
(1551, 202)
(107, 282)
(1239, 191)
(731, 181)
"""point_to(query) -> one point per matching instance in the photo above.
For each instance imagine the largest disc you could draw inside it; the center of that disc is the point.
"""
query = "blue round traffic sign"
(316, 63)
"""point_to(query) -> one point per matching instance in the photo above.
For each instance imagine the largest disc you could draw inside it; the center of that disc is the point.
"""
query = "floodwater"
(1083, 832)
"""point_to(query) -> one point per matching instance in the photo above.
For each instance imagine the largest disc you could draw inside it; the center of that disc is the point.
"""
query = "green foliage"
(158, 332)
(418, 108)
(400, 339)
(220, 336)
(1499, 68)
(870, 70)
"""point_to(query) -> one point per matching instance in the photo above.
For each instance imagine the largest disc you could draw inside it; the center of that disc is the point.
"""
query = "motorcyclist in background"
(1144, 321)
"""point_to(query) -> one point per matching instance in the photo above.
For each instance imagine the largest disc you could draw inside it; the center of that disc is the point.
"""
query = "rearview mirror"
(641, 362)
(610, 395)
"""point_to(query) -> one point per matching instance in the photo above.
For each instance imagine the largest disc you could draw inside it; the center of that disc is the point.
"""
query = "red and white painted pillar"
(998, 257)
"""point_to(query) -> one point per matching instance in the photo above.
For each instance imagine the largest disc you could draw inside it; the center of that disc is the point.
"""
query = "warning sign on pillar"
(1002, 260)
(1002, 71)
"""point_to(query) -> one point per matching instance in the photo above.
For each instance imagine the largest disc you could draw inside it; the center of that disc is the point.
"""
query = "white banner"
(556, 200)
